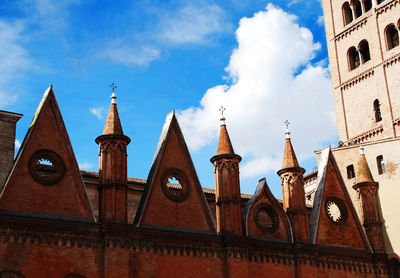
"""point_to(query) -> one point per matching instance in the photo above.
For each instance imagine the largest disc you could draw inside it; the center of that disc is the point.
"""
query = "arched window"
(380, 1)
(353, 58)
(367, 5)
(358, 9)
(394, 268)
(377, 110)
(392, 37)
(381, 164)
(347, 14)
(364, 51)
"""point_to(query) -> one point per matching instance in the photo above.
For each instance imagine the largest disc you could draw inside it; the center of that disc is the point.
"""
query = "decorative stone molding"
(366, 135)
(387, 7)
(357, 79)
(346, 32)
(396, 122)
(391, 61)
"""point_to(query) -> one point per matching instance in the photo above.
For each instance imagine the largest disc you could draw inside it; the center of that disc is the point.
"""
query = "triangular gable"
(263, 216)
(334, 220)
(170, 202)
(45, 178)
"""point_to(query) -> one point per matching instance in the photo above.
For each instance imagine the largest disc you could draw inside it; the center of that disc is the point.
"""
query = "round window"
(174, 185)
(266, 218)
(46, 167)
(336, 210)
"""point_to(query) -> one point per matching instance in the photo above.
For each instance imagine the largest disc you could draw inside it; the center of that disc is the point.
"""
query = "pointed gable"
(45, 178)
(173, 196)
(264, 217)
(334, 220)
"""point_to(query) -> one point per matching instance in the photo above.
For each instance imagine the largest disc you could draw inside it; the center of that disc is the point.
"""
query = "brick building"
(58, 221)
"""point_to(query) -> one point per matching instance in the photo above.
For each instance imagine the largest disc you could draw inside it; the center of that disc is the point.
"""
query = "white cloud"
(320, 20)
(272, 80)
(14, 59)
(121, 51)
(98, 112)
(17, 144)
(85, 165)
(193, 24)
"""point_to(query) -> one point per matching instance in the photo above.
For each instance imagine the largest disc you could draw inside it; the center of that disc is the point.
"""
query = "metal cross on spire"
(113, 87)
(287, 132)
(287, 124)
(222, 110)
(113, 96)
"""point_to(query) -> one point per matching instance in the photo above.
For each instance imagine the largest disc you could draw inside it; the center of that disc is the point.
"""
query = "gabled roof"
(264, 199)
(45, 178)
(186, 205)
(343, 229)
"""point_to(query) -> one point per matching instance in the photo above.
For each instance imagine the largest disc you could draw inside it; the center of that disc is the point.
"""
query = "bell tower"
(113, 180)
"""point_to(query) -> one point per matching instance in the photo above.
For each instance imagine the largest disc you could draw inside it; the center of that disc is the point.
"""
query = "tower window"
(364, 51)
(358, 9)
(392, 37)
(381, 164)
(377, 110)
(367, 5)
(353, 57)
(350, 171)
(347, 14)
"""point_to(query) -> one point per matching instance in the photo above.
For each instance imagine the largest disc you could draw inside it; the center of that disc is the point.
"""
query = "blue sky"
(265, 61)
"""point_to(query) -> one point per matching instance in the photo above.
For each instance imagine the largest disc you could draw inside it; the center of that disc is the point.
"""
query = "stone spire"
(113, 179)
(289, 156)
(367, 189)
(227, 184)
(293, 191)
(113, 123)
(224, 142)
(363, 172)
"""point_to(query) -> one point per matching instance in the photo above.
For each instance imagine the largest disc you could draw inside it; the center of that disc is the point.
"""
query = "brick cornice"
(162, 240)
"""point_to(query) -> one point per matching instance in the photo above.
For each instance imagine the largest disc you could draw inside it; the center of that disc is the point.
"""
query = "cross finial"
(222, 110)
(113, 96)
(287, 124)
(113, 87)
(287, 132)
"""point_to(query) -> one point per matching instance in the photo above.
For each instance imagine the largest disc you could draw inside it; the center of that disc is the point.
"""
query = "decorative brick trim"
(346, 32)
(386, 7)
(366, 135)
(196, 244)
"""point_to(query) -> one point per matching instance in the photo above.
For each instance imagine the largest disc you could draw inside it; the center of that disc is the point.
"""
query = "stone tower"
(227, 185)
(363, 49)
(113, 188)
